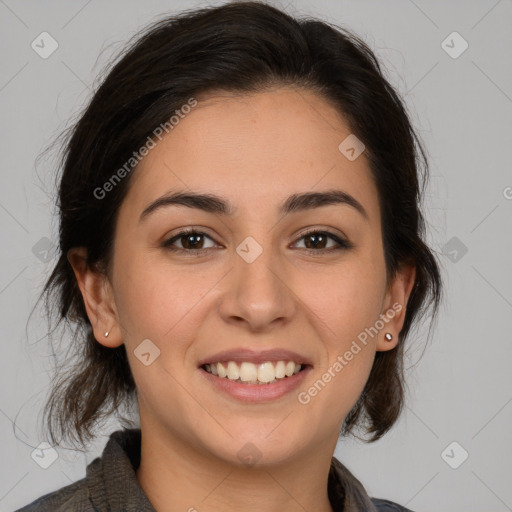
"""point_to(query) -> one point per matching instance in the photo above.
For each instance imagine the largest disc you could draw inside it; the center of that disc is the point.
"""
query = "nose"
(258, 293)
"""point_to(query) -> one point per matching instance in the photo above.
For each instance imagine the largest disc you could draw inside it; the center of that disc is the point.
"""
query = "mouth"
(248, 373)
(255, 383)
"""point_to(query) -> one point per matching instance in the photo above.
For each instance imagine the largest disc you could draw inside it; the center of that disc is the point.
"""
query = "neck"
(177, 476)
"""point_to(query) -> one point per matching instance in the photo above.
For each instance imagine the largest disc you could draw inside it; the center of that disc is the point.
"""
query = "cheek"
(163, 305)
(152, 302)
(345, 304)
(162, 302)
(345, 298)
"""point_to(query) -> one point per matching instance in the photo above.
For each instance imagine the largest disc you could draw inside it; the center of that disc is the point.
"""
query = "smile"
(251, 390)
(250, 373)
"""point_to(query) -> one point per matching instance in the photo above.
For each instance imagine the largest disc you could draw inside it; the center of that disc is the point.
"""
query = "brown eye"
(191, 240)
(316, 241)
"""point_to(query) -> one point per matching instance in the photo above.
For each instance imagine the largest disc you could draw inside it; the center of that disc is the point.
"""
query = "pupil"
(314, 236)
(193, 237)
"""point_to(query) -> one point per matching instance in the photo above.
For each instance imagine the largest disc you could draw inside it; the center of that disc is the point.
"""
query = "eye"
(316, 241)
(192, 240)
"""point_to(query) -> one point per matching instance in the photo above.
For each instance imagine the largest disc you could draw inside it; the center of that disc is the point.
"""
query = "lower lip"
(257, 392)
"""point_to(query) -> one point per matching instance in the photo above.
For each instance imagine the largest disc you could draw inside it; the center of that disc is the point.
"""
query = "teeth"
(251, 373)
(248, 372)
(233, 372)
(266, 372)
(280, 369)
(220, 369)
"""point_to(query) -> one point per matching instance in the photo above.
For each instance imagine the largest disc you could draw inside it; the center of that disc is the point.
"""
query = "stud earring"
(106, 334)
(388, 336)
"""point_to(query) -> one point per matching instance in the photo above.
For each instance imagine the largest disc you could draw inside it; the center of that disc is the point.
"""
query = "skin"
(254, 150)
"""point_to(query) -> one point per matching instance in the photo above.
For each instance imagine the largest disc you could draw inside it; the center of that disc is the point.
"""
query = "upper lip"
(240, 355)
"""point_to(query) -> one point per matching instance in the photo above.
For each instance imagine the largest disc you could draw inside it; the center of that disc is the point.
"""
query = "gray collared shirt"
(111, 485)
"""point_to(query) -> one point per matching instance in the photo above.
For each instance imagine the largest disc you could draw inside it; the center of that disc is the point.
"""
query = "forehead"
(254, 149)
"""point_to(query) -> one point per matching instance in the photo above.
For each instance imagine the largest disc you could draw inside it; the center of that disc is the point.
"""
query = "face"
(252, 278)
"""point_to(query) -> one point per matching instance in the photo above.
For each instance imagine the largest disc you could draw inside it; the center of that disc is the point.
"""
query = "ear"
(98, 299)
(395, 305)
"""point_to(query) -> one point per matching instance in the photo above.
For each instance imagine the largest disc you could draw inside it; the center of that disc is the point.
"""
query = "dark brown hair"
(240, 47)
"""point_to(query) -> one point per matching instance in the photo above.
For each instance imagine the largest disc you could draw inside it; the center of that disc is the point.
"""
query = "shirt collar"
(112, 480)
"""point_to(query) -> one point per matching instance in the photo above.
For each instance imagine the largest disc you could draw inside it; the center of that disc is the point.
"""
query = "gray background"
(460, 390)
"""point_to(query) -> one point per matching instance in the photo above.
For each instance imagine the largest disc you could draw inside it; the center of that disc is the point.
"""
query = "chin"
(255, 447)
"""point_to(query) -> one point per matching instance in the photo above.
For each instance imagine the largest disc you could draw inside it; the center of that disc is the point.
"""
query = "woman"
(243, 253)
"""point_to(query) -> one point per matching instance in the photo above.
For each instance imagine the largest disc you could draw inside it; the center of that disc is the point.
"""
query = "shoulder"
(72, 497)
(388, 506)
(110, 482)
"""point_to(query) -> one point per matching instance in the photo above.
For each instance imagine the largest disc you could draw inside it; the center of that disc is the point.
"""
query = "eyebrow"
(212, 203)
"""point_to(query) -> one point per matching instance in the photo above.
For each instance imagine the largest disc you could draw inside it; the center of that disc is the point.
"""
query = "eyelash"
(342, 243)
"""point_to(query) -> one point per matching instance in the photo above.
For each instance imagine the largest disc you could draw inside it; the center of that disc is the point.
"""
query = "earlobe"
(112, 342)
(393, 314)
(98, 301)
(387, 340)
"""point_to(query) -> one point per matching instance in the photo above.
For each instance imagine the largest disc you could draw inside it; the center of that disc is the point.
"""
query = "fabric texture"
(111, 485)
